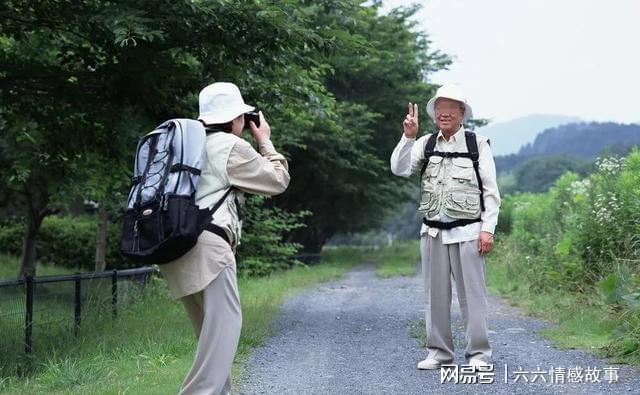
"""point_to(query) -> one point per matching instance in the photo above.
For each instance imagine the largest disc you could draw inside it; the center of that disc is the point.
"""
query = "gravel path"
(353, 336)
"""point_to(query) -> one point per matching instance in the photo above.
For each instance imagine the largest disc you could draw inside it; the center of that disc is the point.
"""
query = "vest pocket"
(433, 166)
(462, 171)
(462, 204)
(429, 199)
(428, 202)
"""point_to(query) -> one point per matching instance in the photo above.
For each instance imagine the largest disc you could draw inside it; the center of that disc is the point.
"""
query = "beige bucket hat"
(452, 92)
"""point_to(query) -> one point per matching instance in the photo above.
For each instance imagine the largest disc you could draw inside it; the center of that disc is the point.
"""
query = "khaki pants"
(217, 318)
(462, 260)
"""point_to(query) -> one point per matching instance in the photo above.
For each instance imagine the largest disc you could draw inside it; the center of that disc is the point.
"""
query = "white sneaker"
(429, 364)
(477, 362)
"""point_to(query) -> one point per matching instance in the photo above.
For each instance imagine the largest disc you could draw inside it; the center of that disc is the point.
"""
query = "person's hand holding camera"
(260, 133)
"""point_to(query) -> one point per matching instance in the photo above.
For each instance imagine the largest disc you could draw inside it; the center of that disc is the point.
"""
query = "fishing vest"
(215, 186)
(451, 184)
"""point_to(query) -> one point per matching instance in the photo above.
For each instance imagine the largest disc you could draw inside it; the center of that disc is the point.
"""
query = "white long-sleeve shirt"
(408, 157)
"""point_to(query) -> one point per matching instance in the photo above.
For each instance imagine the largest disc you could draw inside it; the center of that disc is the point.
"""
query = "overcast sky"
(514, 58)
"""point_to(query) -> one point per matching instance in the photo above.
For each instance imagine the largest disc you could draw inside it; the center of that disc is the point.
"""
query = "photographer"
(204, 279)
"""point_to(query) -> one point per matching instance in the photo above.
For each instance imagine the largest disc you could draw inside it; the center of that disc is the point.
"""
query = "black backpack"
(162, 221)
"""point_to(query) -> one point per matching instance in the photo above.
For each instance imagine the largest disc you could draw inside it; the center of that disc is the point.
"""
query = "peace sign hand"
(410, 124)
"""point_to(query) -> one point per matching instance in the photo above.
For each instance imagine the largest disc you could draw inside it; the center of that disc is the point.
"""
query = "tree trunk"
(101, 239)
(312, 239)
(37, 201)
(28, 258)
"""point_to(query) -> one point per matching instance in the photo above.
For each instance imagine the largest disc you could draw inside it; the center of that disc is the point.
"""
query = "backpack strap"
(474, 155)
(210, 130)
(429, 149)
(182, 167)
(219, 202)
(217, 230)
(207, 215)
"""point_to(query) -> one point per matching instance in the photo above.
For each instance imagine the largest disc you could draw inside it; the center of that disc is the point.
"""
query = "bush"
(505, 220)
(263, 250)
(11, 234)
(68, 241)
(584, 235)
(581, 229)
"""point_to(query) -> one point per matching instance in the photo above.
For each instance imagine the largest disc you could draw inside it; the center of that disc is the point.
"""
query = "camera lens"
(251, 116)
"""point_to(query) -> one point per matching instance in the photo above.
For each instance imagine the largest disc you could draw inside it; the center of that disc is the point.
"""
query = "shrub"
(68, 241)
(584, 235)
(263, 250)
(582, 228)
(505, 220)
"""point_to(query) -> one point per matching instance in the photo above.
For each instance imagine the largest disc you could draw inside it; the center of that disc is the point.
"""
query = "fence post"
(28, 322)
(78, 302)
(114, 293)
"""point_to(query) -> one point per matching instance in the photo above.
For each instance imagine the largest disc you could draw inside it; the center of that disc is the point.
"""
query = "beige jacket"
(231, 161)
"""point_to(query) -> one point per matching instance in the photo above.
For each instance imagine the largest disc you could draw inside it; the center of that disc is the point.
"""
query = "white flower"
(609, 165)
(580, 187)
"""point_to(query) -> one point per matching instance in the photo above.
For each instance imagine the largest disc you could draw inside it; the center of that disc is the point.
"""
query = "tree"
(80, 82)
(344, 179)
(539, 173)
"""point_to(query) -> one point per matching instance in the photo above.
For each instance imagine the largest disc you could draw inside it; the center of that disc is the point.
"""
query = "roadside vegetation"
(400, 259)
(572, 255)
(149, 347)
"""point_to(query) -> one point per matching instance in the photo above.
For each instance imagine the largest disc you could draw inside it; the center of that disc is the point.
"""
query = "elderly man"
(460, 203)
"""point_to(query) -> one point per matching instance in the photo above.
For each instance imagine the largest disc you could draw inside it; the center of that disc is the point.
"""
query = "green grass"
(9, 266)
(53, 313)
(401, 259)
(580, 320)
(149, 347)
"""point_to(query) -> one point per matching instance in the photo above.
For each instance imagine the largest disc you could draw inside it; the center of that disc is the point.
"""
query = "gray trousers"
(217, 318)
(439, 263)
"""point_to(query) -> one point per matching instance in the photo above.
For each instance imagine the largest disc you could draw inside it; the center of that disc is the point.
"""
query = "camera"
(251, 116)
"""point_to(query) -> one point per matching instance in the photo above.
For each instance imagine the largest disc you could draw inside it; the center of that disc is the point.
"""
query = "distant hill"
(580, 140)
(586, 140)
(508, 137)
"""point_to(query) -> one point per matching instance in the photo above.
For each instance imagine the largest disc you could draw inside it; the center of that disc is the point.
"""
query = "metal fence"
(52, 308)
(46, 313)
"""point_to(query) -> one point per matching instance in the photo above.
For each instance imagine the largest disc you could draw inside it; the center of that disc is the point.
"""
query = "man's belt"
(449, 225)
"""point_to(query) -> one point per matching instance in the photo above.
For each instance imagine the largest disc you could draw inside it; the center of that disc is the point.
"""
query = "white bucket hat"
(221, 102)
(452, 92)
